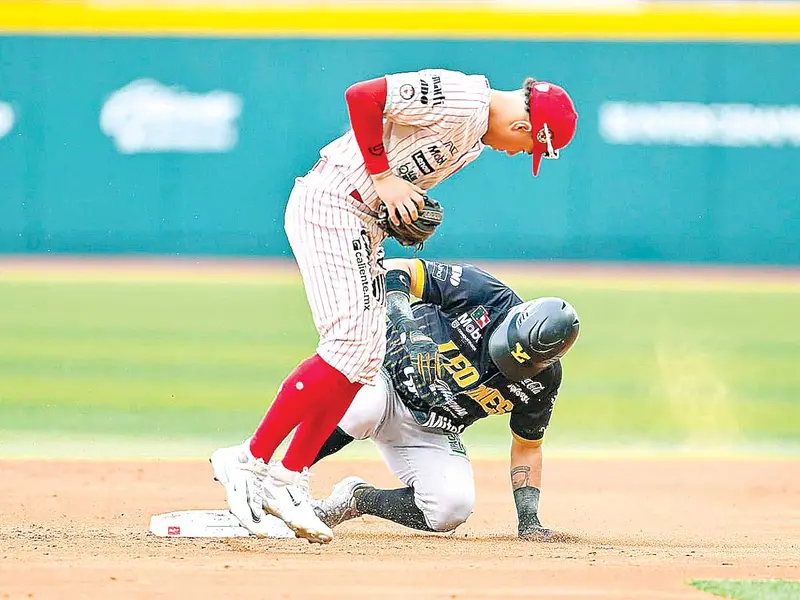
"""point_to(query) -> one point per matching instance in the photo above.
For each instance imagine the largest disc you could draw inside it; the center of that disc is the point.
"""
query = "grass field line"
(750, 589)
(261, 271)
(17, 446)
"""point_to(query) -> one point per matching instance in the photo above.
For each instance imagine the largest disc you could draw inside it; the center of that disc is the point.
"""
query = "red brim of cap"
(537, 161)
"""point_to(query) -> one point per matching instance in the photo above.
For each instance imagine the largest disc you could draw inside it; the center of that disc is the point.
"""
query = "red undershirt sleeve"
(366, 102)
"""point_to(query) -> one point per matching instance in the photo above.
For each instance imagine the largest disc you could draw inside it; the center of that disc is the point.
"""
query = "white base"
(210, 524)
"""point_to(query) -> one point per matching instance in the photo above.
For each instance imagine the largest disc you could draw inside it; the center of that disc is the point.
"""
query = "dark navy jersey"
(461, 306)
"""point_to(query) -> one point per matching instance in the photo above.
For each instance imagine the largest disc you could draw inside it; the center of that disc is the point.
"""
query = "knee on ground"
(449, 508)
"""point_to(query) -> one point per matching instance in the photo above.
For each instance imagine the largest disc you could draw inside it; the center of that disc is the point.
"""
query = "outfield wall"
(178, 131)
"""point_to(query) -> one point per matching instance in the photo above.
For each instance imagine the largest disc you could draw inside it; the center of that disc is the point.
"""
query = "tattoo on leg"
(520, 477)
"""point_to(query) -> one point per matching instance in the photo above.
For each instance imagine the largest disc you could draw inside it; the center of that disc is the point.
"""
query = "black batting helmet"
(532, 336)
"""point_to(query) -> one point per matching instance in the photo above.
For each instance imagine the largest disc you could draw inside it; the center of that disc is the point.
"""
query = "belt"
(319, 167)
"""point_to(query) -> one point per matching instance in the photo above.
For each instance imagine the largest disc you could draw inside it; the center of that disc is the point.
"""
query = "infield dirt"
(637, 529)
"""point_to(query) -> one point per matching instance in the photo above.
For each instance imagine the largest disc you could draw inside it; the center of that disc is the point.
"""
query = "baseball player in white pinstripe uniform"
(409, 132)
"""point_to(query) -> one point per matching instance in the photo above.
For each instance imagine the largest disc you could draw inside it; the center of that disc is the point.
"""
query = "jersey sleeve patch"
(407, 91)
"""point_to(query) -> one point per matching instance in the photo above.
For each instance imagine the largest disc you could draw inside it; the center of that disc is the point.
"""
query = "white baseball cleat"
(340, 506)
(242, 475)
(287, 495)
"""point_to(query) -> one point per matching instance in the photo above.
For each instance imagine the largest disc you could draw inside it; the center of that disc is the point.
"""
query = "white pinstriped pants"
(338, 250)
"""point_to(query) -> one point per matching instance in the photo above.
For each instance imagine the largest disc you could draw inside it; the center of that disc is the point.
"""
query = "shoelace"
(304, 483)
(259, 467)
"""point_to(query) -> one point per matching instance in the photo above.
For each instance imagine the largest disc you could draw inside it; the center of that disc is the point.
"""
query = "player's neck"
(503, 106)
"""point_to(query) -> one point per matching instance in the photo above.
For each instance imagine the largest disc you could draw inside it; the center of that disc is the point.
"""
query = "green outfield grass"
(751, 590)
(189, 361)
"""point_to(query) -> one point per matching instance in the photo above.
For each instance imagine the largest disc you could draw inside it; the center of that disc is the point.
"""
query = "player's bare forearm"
(526, 464)
(526, 481)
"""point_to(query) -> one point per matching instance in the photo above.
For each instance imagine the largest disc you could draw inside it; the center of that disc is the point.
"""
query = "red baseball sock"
(312, 433)
(313, 398)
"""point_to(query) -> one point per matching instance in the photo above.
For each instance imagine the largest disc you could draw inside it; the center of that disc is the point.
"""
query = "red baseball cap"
(553, 121)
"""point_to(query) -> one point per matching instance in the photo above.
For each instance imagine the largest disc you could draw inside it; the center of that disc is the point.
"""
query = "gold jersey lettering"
(490, 400)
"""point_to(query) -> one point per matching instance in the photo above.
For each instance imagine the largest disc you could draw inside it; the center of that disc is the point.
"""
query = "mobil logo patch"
(472, 322)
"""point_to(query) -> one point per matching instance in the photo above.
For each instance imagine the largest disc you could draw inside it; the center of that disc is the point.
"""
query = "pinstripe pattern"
(452, 121)
(335, 239)
(338, 250)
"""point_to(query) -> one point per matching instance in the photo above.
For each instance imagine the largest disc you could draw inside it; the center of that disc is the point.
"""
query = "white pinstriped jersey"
(337, 249)
(433, 124)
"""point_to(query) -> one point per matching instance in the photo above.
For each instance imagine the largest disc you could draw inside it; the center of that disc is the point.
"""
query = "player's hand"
(425, 357)
(441, 392)
(401, 197)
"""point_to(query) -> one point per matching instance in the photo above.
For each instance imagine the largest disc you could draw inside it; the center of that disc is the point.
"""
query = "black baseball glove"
(417, 232)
